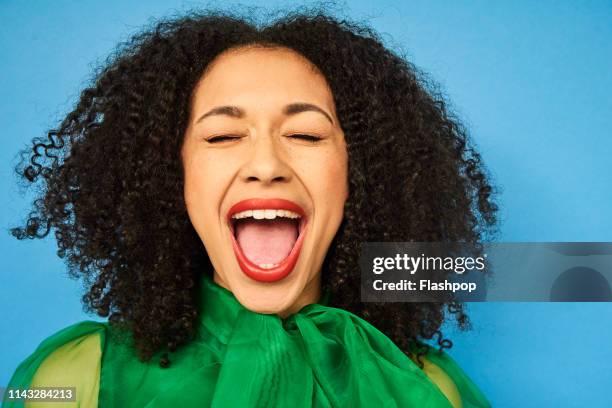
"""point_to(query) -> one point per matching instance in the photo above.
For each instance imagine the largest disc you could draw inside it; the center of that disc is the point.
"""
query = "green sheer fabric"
(318, 357)
(69, 358)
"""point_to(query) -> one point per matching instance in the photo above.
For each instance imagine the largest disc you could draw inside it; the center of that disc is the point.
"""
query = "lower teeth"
(268, 266)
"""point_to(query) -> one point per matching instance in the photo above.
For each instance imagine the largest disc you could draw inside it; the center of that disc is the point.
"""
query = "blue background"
(531, 81)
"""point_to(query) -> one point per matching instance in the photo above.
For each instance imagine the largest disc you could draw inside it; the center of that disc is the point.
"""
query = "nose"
(265, 163)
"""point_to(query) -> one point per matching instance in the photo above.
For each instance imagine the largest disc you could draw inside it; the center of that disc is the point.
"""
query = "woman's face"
(265, 166)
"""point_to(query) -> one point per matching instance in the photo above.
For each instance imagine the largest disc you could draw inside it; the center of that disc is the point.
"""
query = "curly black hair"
(110, 176)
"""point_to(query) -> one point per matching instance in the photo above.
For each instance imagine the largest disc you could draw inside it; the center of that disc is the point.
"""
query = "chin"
(269, 255)
(268, 298)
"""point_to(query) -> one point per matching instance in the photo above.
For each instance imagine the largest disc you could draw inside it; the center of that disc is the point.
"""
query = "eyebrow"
(300, 107)
(291, 109)
(233, 111)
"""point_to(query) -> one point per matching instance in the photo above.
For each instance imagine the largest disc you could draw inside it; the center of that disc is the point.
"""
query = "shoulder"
(445, 383)
(454, 383)
(71, 357)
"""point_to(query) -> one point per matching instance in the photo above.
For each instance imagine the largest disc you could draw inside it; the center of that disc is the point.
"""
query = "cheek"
(205, 183)
(328, 179)
(337, 180)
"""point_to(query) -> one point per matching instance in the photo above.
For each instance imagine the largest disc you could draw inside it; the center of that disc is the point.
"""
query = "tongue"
(266, 241)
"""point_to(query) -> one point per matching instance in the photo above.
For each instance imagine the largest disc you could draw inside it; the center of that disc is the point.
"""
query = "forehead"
(258, 75)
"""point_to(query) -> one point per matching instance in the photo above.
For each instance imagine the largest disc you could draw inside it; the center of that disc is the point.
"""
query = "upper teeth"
(265, 214)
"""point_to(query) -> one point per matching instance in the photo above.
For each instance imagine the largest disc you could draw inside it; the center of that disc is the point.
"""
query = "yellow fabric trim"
(443, 381)
(75, 364)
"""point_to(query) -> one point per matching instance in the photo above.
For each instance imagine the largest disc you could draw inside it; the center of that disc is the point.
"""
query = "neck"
(310, 294)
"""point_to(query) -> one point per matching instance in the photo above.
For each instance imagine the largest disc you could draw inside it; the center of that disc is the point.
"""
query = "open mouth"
(267, 236)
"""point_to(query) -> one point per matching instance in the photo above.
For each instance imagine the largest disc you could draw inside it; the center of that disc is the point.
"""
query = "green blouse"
(318, 357)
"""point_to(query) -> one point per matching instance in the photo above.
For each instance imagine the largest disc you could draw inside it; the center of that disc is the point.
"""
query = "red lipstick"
(285, 267)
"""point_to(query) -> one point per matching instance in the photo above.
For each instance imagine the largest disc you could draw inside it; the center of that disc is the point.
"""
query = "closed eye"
(222, 138)
(308, 138)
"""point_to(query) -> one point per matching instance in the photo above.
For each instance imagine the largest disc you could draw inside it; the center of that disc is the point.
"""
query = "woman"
(214, 186)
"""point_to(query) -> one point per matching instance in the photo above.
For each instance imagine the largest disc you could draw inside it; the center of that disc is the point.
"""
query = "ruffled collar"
(320, 356)
(220, 310)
